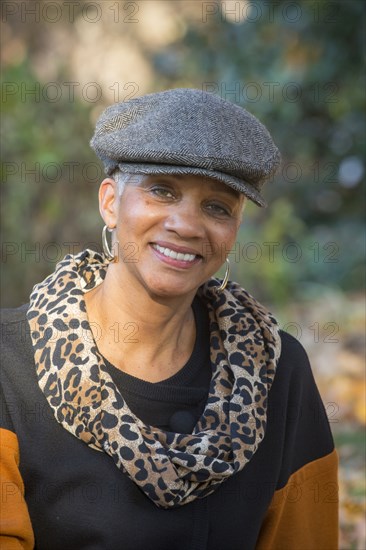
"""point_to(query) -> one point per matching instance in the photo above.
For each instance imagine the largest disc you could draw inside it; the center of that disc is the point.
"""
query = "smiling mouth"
(169, 253)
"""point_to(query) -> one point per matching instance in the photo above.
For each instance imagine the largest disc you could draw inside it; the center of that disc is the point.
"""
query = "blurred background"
(297, 66)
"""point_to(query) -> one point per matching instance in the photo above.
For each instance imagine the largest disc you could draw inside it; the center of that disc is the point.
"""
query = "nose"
(186, 221)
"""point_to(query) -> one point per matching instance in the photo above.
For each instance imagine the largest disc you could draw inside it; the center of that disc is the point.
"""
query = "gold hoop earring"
(226, 276)
(107, 251)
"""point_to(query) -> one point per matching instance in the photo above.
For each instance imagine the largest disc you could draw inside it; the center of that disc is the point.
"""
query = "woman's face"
(174, 232)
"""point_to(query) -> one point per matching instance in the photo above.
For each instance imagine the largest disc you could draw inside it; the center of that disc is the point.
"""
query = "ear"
(108, 202)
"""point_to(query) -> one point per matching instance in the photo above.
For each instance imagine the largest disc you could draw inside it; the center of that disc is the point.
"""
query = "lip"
(173, 262)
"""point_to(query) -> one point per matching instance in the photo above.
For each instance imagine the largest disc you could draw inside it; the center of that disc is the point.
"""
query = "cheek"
(224, 241)
(228, 233)
(133, 212)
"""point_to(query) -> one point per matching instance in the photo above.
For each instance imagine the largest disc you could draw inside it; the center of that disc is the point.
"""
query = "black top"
(79, 500)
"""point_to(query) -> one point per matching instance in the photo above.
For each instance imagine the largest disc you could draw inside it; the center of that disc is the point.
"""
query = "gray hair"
(121, 179)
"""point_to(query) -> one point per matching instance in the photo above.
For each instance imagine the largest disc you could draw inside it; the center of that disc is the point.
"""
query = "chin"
(166, 290)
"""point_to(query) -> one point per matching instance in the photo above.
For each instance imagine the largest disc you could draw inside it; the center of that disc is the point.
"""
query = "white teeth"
(175, 255)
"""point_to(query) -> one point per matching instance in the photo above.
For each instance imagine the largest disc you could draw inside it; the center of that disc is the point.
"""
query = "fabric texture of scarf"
(171, 468)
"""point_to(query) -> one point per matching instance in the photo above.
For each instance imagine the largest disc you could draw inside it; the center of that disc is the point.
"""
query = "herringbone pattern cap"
(187, 131)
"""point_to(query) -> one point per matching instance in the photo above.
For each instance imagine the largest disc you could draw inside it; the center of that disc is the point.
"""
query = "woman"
(150, 405)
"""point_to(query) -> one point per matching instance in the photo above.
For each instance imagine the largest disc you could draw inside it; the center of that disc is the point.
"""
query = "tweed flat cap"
(187, 131)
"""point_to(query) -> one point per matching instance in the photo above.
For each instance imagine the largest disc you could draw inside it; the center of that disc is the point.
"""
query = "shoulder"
(15, 334)
(295, 393)
(291, 348)
(16, 357)
(293, 368)
(14, 325)
(13, 315)
(292, 352)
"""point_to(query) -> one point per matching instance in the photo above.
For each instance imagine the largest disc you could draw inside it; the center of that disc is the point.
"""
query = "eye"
(162, 192)
(219, 210)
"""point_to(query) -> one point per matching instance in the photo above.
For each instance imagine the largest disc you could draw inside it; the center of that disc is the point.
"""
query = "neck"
(149, 337)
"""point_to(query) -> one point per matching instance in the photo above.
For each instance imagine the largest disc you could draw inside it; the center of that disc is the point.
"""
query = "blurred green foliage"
(298, 68)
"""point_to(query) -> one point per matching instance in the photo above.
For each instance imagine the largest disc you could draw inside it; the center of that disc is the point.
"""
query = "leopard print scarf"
(171, 468)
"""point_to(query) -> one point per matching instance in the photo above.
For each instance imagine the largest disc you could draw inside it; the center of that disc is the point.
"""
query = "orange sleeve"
(16, 531)
(304, 513)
